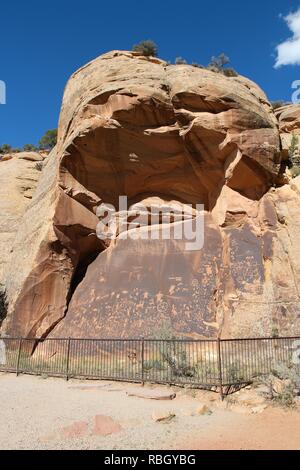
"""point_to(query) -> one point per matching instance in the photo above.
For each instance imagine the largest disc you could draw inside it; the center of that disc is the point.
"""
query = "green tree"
(30, 148)
(5, 148)
(49, 139)
(147, 48)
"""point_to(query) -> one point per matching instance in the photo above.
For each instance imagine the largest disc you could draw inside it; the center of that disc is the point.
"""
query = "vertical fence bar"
(68, 359)
(220, 369)
(143, 360)
(19, 356)
(218, 362)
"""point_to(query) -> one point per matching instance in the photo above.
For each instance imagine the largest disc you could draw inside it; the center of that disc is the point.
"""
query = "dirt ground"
(48, 413)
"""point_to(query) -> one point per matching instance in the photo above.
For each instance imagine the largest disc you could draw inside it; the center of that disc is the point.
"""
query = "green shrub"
(147, 48)
(230, 72)
(283, 384)
(173, 352)
(212, 68)
(235, 373)
(195, 64)
(39, 166)
(176, 358)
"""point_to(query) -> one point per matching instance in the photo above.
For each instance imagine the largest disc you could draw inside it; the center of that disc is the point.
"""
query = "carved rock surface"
(147, 130)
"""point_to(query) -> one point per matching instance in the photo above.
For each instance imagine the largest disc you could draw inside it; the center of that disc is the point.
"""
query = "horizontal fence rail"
(212, 364)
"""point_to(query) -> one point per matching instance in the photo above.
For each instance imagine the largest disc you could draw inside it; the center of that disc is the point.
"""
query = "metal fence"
(218, 365)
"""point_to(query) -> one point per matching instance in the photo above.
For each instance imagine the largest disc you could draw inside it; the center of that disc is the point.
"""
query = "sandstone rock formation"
(30, 156)
(289, 118)
(171, 136)
(289, 125)
(18, 181)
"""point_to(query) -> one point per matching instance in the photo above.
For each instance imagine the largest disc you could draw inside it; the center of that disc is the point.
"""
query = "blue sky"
(42, 43)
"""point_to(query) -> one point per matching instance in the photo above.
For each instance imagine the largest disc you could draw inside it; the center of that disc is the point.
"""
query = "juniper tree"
(147, 48)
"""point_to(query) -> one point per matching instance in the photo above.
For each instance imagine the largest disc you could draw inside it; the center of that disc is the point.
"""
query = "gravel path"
(39, 413)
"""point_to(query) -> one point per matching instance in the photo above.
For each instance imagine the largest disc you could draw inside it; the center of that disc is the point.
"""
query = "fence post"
(220, 369)
(143, 359)
(19, 355)
(68, 358)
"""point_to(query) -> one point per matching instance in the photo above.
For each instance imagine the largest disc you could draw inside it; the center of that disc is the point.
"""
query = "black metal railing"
(214, 364)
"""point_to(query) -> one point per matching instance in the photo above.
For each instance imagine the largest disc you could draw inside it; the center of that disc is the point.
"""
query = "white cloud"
(288, 52)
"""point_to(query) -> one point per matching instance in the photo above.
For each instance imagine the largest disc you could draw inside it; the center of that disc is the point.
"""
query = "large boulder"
(173, 134)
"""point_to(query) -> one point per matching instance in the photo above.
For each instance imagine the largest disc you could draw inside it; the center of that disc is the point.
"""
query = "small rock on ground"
(163, 416)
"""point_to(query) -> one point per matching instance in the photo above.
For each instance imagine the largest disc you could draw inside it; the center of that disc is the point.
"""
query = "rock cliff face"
(289, 125)
(164, 136)
(18, 181)
(289, 118)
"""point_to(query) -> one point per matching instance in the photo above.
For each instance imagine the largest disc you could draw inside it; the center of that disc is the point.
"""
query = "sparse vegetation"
(295, 171)
(274, 332)
(278, 104)
(230, 72)
(173, 353)
(283, 384)
(153, 364)
(217, 65)
(219, 62)
(147, 48)
(195, 64)
(47, 142)
(176, 358)
(294, 146)
(5, 149)
(30, 148)
(180, 61)
(234, 373)
(293, 157)
(39, 166)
